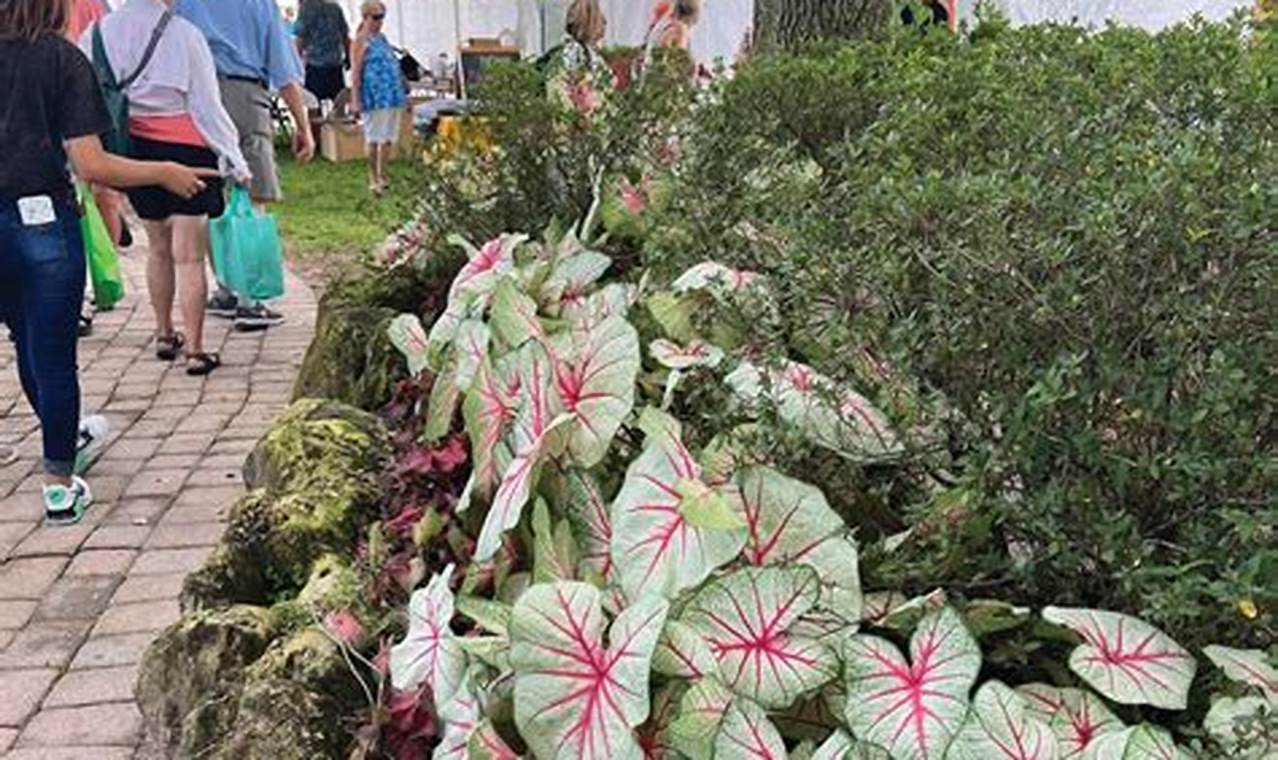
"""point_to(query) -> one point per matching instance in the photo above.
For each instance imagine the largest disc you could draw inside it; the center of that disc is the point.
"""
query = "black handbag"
(409, 66)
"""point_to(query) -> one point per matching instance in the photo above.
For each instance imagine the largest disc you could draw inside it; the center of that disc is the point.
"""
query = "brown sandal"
(168, 348)
(198, 365)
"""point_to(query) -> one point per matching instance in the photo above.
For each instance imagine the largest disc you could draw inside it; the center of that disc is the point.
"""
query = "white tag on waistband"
(37, 211)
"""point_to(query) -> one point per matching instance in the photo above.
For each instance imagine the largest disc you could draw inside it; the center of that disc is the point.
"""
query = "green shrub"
(1063, 247)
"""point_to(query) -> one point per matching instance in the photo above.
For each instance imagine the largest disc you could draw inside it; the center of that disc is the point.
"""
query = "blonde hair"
(586, 23)
(369, 6)
(687, 11)
(30, 20)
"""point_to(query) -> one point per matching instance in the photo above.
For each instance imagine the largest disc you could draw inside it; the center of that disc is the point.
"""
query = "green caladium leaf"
(538, 418)
(1001, 726)
(654, 549)
(489, 615)
(745, 618)
(673, 314)
(555, 555)
(1225, 722)
(746, 732)
(1126, 659)
(514, 315)
(445, 395)
(840, 746)
(408, 335)
(1245, 666)
(683, 653)
(914, 708)
(574, 696)
(597, 387)
(1143, 742)
(1077, 717)
(700, 712)
(591, 522)
(429, 653)
(486, 744)
(572, 277)
(696, 353)
(705, 507)
(444, 330)
(987, 616)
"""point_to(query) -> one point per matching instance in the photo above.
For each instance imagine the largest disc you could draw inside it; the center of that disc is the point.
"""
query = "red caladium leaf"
(592, 525)
(429, 653)
(746, 618)
(539, 415)
(700, 713)
(489, 411)
(1001, 726)
(1246, 666)
(1077, 717)
(487, 744)
(1143, 742)
(789, 522)
(574, 697)
(913, 709)
(597, 387)
(654, 735)
(655, 550)
(1126, 659)
(747, 733)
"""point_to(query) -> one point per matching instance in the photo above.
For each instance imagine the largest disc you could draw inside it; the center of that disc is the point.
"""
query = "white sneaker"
(93, 434)
(66, 506)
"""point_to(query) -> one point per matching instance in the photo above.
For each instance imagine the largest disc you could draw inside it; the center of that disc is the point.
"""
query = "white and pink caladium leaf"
(460, 716)
(683, 653)
(514, 315)
(698, 353)
(555, 553)
(597, 387)
(1077, 717)
(614, 300)
(468, 354)
(489, 411)
(840, 746)
(912, 709)
(655, 550)
(700, 712)
(746, 732)
(745, 618)
(572, 277)
(1143, 742)
(407, 334)
(487, 265)
(789, 522)
(654, 735)
(591, 523)
(471, 344)
(574, 696)
(1230, 714)
(1000, 726)
(486, 744)
(1245, 666)
(429, 652)
(1126, 659)
(539, 417)
(710, 275)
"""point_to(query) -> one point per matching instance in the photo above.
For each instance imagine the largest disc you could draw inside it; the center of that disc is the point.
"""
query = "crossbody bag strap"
(150, 50)
(100, 61)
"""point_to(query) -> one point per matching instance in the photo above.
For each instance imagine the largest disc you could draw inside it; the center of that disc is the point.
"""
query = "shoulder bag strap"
(150, 49)
(100, 61)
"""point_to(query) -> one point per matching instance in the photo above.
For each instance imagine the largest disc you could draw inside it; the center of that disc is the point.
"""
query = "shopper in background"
(377, 92)
(42, 265)
(672, 25)
(254, 55)
(175, 114)
(324, 40)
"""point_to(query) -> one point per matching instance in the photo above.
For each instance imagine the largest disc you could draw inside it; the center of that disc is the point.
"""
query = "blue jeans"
(42, 274)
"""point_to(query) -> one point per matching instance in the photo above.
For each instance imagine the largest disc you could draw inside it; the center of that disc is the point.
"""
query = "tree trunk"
(785, 24)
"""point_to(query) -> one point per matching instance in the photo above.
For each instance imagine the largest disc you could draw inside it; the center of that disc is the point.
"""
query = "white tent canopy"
(1146, 14)
(431, 27)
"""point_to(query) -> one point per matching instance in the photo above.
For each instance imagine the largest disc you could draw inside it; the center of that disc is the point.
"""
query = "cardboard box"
(342, 139)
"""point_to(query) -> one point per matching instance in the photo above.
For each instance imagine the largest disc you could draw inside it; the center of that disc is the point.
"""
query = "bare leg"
(190, 236)
(372, 166)
(159, 273)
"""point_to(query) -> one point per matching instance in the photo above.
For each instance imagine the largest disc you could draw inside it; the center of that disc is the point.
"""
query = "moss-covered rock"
(192, 672)
(351, 358)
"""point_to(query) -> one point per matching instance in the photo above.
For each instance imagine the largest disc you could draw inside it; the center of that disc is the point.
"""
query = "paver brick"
(138, 617)
(21, 692)
(102, 562)
(138, 512)
(49, 540)
(71, 753)
(7, 737)
(156, 483)
(144, 588)
(118, 537)
(92, 687)
(183, 535)
(29, 578)
(49, 644)
(77, 598)
(112, 651)
(163, 561)
(108, 725)
(16, 613)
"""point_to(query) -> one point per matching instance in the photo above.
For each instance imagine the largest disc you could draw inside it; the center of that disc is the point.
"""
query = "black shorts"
(154, 203)
(325, 82)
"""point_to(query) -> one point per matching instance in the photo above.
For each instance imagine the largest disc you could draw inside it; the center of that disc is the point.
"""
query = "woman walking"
(324, 41)
(176, 114)
(42, 267)
(377, 92)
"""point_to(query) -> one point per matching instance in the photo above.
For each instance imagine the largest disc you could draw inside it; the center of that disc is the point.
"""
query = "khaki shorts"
(249, 105)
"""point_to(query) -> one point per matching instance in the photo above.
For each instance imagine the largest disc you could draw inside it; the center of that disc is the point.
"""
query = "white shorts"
(382, 126)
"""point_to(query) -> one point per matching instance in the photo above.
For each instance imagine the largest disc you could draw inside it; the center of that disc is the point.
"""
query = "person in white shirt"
(175, 114)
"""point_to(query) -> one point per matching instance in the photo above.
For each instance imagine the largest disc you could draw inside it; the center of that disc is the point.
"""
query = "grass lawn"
(329, 213)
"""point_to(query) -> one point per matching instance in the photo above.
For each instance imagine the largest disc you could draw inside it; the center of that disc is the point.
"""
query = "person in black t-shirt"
(53, 110)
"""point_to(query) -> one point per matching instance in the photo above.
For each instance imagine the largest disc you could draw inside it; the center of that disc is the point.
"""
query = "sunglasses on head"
(377, 16)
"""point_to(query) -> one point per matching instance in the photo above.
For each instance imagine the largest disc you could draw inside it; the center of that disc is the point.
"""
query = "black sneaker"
(126, 235)
(86, 326)
(256, 317)
(223, 304)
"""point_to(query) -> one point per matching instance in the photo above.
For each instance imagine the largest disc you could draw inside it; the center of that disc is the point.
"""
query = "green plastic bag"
(99, 253)
(248, 256)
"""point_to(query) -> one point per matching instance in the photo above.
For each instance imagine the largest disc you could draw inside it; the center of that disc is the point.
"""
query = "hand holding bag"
(248, 254)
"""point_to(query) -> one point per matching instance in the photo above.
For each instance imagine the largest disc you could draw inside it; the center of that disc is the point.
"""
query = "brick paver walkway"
(78, 605)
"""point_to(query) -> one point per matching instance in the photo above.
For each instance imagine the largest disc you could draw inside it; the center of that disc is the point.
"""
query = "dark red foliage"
(412, 728)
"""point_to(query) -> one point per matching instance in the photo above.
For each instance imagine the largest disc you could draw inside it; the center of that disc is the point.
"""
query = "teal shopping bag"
(248, 255)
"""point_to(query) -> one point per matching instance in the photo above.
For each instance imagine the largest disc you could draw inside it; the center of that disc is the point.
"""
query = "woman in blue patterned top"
(377, 92)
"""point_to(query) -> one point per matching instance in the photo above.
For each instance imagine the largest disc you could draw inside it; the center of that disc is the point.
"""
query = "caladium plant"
(575, 696)
(430, 653)
(1001, 725)
(1077, 717)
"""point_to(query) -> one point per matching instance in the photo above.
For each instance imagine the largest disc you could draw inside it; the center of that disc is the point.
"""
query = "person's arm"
(94, 165)
(357, 71)
(303, 139)
(285, 72)
(204, 102)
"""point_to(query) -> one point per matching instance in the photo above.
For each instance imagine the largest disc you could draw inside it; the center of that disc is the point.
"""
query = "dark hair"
(31, 19)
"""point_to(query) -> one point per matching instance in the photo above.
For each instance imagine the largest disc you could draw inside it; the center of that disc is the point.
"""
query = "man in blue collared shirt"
(254, 54)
